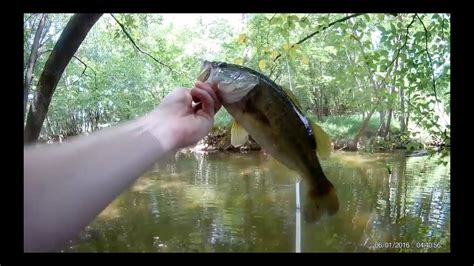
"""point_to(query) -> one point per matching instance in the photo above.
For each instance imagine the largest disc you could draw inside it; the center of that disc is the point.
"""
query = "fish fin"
(292, 97)
(238, 135)
(321, 199)
(323, 141)
(280, 172)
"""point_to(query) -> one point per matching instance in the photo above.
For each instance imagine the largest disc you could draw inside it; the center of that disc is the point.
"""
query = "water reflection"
(246, 203)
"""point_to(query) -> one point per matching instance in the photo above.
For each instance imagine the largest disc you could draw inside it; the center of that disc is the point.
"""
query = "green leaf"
(262, 64)
(243, 38)
(274, 55)
(292, 53)
(331, 50)
(278, 30)
(276, 21)
(293, 18)
(291, 25)
(238, 61)
(393, 28)
(304, 22)
(419, 35)
(305, 60)
(367, 17)
(324, 20)
(343, 26)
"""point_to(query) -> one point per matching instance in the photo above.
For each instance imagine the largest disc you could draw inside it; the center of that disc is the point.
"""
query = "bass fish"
(273, 118)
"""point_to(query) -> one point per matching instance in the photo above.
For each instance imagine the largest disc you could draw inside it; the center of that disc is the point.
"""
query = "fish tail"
(321, 198)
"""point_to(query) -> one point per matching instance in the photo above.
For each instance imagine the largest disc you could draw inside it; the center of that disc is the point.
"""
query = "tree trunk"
(402, 111)
(382, 127)
(364, 126)
(68, 43)
(362, 129)
(32, 63)
(314, 92)
(325, 106)
(407, 114)
(386, 134)
(50, 129)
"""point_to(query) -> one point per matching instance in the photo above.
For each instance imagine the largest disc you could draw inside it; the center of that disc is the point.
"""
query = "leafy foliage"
(396, 65)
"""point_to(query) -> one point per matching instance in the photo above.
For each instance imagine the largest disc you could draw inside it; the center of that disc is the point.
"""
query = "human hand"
(179, 122)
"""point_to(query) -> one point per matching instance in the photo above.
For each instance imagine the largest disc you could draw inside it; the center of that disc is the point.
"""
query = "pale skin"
(67, 185)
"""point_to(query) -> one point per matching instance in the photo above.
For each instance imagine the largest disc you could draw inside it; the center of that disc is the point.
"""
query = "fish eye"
(222, 64)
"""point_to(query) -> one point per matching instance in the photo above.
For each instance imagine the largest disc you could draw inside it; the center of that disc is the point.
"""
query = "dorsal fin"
(292, 97)
(323, 141)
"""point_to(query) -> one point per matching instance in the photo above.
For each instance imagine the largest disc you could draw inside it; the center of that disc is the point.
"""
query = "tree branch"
(32, 61)
(48, 25)
(85, 65)
(429, 57)
(404, 44)
(323, 28)
(397, 56)
(28, 18)
(69, 41)
(140, 50)
(270, 20)
(372, 75)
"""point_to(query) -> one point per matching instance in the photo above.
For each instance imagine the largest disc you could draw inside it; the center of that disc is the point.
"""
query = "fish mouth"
(205, 71)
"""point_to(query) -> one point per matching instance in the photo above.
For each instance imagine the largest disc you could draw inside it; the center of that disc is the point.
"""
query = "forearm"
(66, 187)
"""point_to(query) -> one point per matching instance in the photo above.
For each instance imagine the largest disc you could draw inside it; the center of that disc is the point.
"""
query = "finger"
(197, 107)
(205, 99)
(214, 95)
(207, 88)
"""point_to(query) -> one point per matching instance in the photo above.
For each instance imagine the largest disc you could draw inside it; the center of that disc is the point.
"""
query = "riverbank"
(343, 130)
(219, 140)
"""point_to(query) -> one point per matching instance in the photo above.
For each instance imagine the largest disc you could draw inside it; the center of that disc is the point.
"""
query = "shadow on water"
(221, 202)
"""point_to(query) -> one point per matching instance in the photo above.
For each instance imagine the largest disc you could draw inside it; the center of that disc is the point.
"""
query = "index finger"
(206, 100)
(212, 92)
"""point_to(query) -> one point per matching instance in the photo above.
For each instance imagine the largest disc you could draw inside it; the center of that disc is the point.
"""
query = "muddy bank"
(219, 140)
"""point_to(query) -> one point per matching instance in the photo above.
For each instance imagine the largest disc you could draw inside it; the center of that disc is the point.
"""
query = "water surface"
(226, 202)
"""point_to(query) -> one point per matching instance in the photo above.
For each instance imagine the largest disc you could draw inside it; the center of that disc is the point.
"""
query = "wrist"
(157, 125)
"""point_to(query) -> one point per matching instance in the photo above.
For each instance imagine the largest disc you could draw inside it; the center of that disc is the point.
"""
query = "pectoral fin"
(238, 135)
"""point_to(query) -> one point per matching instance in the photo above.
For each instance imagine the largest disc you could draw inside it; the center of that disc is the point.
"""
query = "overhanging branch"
(429, 57)
(140, 50)
(322, 29)
(85, 68)
(404, 43)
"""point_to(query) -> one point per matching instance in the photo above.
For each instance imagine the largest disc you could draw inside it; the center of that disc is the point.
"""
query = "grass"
(338, 127)
(347, 126)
